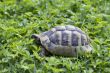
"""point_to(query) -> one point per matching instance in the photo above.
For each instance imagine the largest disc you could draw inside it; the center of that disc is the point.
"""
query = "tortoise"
(66, 40)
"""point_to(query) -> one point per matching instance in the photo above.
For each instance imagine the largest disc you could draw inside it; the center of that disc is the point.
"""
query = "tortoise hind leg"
(44, 52)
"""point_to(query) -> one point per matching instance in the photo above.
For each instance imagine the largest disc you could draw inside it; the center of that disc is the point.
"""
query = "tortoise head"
(36, 37)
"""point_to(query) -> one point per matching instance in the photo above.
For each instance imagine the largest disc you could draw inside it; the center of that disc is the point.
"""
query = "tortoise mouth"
(37, 43)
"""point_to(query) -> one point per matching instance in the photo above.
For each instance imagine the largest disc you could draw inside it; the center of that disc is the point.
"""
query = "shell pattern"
(65, 40)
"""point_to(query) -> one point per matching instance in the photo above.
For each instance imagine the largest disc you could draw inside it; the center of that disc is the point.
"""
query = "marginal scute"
(86, 48)
(66, 50)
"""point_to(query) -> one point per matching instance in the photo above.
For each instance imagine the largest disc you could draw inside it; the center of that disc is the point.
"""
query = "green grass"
(19, 19)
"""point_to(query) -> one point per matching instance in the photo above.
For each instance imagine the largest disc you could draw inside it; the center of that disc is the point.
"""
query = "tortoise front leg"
(44, 52)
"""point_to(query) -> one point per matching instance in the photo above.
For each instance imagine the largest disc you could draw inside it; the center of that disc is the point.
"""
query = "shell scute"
(54, 38)
(65, 39)
(70, 27)
(60, 28)
(74, 39)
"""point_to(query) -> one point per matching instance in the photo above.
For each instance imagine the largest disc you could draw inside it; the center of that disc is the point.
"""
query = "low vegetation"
(19, 19)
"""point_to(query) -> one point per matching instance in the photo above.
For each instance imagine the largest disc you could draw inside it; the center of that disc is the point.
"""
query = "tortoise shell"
(65, 40)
